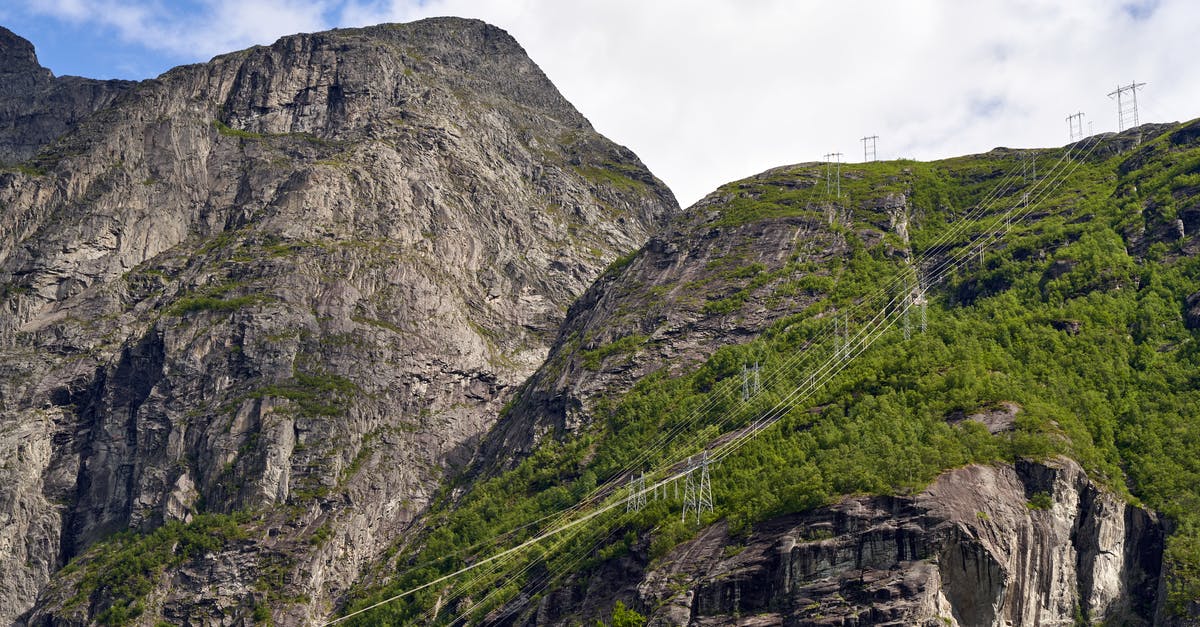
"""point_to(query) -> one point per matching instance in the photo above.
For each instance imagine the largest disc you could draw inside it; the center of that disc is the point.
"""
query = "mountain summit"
(256, 309)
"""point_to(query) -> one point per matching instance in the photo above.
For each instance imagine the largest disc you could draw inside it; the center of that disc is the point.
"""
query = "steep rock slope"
(1058, 327)
(670, 305)
(258, 307)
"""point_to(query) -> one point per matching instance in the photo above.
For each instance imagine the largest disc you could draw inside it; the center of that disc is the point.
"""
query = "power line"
(861, 341)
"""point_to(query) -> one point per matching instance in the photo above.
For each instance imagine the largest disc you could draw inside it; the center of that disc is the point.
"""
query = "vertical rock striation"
(287, 290)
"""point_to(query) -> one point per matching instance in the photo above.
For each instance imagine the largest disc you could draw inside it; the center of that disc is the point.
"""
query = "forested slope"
(1062, 318)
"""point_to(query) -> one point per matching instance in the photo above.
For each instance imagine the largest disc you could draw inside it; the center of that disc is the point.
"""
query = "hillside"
(919, 476)
(256, 310)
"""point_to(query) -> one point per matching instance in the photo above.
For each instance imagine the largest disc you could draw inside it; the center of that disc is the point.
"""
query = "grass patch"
(618, 176)
(194, 304)
(228, 131)
(126, 567)
(593, 359)
(315, 394)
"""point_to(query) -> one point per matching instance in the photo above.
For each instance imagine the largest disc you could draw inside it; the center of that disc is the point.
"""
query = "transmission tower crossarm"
(1127, 110)
(869, 153)
(1075, 125)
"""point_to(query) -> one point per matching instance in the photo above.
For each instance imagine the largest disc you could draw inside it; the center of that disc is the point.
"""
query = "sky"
(710, 91)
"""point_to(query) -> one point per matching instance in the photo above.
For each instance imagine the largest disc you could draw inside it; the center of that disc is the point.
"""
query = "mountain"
(372, 326)
(258, 310)
(961, 392)
(35, 106)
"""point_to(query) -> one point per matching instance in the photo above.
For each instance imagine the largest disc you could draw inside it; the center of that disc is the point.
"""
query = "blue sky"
(84, 50)
(707, 91)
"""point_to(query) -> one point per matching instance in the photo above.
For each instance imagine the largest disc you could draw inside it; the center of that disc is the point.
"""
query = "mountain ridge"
(256, 308)
(310, 325)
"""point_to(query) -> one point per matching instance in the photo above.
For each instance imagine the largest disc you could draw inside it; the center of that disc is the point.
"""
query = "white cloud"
(710, 91)
(707, 92)
(214, 27)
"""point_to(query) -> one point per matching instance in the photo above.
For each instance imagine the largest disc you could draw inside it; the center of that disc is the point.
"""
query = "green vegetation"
(14, 289)
(1040, 501)
(215, 298)
(229, 131)
(1113, 387)
(125, 567)
(28, 169)
(382, 324)
(612, 175)
(620, 264)
(315, 394)
(625, 617)
(594, 359)
(192, 304)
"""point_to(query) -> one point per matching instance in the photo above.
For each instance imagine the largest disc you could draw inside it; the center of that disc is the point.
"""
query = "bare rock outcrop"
(1030, 544)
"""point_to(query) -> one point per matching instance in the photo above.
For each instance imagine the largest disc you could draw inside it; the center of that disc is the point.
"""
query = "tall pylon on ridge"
(697, 491)
(1127, 110)
(869, 148)
(1075, 126)
(833, 174)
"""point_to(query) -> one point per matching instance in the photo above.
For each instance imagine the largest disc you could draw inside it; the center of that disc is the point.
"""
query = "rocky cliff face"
(271, 301)
(1031, 544)
(37, 107)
